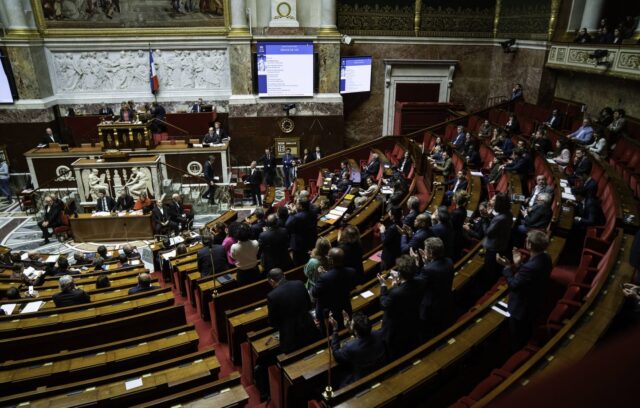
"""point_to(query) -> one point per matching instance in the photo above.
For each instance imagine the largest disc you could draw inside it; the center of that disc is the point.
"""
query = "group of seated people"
(66, 269)
(607, 33)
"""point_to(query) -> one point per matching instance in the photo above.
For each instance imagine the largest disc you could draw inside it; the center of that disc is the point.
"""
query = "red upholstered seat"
(487, 385)
(422, 192)
(519, 358)
(566, 274)
(64, 229)
(464, 402)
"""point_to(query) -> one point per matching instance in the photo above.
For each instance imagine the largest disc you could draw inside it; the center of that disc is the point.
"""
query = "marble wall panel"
(24, 72)
(329, 65)
(597, 92)
(26, 115)
(240, 66)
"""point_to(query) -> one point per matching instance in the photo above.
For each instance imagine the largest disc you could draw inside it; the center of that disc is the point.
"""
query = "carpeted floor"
(206, 340)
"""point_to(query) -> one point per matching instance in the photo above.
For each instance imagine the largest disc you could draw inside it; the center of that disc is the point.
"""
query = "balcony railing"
(623, 62)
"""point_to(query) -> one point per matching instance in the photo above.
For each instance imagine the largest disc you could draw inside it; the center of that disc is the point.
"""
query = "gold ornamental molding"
(621, 62)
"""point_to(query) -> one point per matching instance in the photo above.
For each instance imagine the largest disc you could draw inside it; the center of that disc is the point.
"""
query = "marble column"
(328, 18)
(329, 58)
(240, 67)
(592, 13)
(239, 25)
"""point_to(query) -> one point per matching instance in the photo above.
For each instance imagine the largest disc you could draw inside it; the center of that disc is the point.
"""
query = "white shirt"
(245, 253)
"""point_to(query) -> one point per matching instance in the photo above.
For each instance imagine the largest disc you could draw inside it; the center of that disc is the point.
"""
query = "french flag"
(153, 75)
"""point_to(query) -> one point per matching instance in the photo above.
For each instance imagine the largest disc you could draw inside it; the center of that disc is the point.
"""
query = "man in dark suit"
(554, 120)
(144, 284)
(459, 139)
(540, 187)
(581, 163)
(527, 286)
(289, 307)
(258, 226)
(372, 168)
(197, 107)
(176, 213)
(274, 246)
(333, 288)
(404, 165)
(415, 240)
(537, 216)
(436, 277)
(269, 165)
(589, 212)
(210, 177)
(219, 133)
(401, 307)
(104, 202)
(162, 224)
(209, 252)
(105, 111)
(521, 165)
(446, 168)
(454, 185)
(302, 229)
(253, 180)
(588, 188)
(288, 163)
(125, 201)
(50, 137)
(316, 154)
(69, 295)
(51, 218)
(413, 203)
(512, 126)
(496, 239)
(211, 137)
(362, 355)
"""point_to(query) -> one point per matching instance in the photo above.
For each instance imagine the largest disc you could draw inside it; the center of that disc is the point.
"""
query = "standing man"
(105, 111)
(105, 203)
(527, 286)
(219, 131)
(372, 168)
(51, 218)
(401, 306)
(301, 225)
(49, 137)
(5, 189)
(289, 307)
(274, 245)
(197, 107)
(288, 162)
(269, 165)
(317, 154)
(517, 93)
(253, 181)
(211, 184)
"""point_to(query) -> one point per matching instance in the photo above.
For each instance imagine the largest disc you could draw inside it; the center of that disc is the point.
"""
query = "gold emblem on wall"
(287, 125)
(284, 9)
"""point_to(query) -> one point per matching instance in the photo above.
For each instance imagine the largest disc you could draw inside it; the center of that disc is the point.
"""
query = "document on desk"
(8, 308)
(32, 307)
(131, 384)
(168, 255)
(176, 240)
(52, 258)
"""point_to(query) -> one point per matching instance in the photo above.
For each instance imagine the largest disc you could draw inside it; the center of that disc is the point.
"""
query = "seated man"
(554, 120)
(62, 268)
(130, 252)
(123, 261)
(541, 187)
(537, 216)
(162, 224)
(177, 214)
(81, 259)
(454, 185)
(446, 168)
(124, 202)
(372, 168)
(103, 253)
(405, 164)
(144, 284)
(584, 134)
(105, 203)
(364, 354)
(69, 295)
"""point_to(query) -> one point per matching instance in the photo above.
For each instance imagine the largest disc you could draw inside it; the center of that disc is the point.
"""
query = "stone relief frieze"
(127, 70)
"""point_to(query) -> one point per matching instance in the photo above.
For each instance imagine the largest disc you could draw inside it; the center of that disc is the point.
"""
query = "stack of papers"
(168, 255)
(51, 258)
(176, 240)
(476, 173)
(24, 256)
(197, 145)
(101, 214)
(32, 307)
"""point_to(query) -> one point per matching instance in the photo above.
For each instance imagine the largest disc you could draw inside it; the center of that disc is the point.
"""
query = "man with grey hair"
(144, 284)
(536, 217)
(69, 295)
